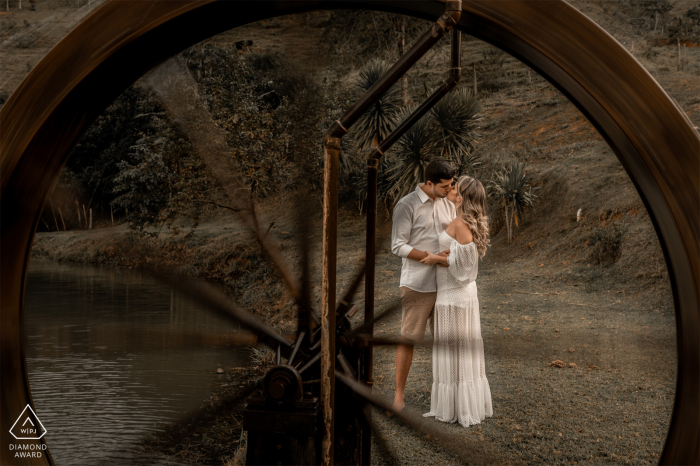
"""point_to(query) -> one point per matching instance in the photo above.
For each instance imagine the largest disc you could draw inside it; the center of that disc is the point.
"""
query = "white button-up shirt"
(418, 221)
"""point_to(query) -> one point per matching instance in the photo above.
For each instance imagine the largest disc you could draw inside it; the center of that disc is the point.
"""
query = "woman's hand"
(444, 254)
(433, 259)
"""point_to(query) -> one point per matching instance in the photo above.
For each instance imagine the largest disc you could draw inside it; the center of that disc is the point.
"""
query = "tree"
(513, 189)
(135, 159)
(268, 110)
(353, 36)
(141, 186)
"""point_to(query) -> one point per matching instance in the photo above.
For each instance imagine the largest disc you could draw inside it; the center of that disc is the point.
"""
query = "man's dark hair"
(439, 170)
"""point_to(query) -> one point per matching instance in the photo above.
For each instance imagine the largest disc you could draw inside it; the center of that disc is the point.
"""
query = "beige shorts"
(416, 309)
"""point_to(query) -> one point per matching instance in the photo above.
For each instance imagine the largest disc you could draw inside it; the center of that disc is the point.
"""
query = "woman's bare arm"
(432, 259)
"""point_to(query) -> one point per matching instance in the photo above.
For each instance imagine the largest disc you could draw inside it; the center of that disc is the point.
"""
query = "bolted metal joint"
(453, 5)
(438, 30)
(331, 143)
(336, 130)
(447, 21)
(454, 77)
(372, 162)
(453, 8)
(443, 24)
(375, 154)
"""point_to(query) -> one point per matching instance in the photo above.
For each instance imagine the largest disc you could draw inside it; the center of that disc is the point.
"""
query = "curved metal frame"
(654, 140)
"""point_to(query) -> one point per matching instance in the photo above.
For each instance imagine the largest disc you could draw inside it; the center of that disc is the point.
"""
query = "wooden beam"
(328, 285)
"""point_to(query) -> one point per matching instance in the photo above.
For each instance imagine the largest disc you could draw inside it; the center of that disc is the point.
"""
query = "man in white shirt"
(418, 220)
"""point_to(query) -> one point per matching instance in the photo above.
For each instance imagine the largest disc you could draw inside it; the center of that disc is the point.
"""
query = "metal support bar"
(444, 23)
(450, 83)
(309, 363)
(370, 252)
(331, 148)
(331, 142)
(297, 344)
(372, 166)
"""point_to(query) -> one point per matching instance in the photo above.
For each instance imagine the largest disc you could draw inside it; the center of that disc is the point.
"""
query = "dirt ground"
(614, 406)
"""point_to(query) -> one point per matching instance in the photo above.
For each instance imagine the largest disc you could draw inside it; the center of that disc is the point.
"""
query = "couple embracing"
(440, 230)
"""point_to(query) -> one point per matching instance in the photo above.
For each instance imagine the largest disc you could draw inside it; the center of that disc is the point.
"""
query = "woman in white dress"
(460, 390)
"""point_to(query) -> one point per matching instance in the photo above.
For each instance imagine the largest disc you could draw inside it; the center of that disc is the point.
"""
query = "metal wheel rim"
(655, 142)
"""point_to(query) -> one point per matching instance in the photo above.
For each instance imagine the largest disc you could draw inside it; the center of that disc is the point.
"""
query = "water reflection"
(98, 384)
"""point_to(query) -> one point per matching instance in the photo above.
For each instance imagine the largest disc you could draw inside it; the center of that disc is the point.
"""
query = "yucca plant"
(410, 155)
(454, 120)
(512, 188)
(466, 164)
(447, 131)
(377, 122)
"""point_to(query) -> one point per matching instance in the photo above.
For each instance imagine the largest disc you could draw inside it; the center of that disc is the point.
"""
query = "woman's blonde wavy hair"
(471, 209)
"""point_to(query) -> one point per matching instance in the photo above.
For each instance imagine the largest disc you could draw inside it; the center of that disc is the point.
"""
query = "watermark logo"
(28, 426)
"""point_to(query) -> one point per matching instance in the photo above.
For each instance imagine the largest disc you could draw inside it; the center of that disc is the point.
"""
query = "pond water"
(100, 373)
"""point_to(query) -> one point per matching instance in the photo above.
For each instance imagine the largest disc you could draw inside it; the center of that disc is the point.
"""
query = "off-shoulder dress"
(460, 390)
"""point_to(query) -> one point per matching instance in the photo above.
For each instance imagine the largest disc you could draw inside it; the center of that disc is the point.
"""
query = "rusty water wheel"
(655, 142)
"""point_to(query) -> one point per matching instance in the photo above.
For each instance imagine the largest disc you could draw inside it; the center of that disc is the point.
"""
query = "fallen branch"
(269, 228)
(223, 206)
(541, 294)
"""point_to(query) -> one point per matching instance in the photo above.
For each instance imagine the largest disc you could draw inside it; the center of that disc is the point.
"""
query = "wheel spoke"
(297, 344)
(425, 426)
(210, 143)
(310, 362)
(226, 404)
(168, 338)
(307, 319)
(272, 252)
(346, 302)
(382, 315)
(345, 365)
(384, 448)
(361, 340)
(224, 306)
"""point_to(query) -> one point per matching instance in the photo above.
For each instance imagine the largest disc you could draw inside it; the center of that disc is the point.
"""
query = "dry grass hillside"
(27, 34)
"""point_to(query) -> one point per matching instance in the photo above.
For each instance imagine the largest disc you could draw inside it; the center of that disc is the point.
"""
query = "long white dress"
(460, 390)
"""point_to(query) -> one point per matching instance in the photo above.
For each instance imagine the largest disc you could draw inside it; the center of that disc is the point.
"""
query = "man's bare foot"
(398, 405)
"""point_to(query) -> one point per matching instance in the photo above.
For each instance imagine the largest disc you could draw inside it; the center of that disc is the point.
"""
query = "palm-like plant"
(454, 119)
(377, 121)
(512, 187)
(411, 154)
(447, 131)
(465, 163)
